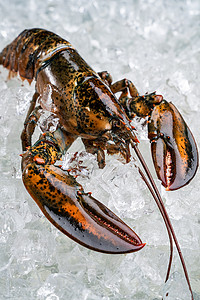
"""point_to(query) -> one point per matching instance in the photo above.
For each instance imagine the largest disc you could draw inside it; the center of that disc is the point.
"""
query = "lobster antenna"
(165, 220)
(163, 211)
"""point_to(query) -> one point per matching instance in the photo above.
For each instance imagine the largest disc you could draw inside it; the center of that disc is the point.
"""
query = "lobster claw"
(74, 212)
(173, 147)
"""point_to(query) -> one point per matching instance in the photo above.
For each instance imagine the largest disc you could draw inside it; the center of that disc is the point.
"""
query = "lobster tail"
(32, 49)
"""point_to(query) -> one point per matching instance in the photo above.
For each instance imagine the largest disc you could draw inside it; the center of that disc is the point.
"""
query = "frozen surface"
(156, 44)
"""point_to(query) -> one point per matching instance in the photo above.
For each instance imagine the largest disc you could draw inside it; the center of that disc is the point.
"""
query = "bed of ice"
(156, 44)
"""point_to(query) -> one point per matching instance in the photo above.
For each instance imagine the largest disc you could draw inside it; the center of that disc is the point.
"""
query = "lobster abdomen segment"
(30, 50)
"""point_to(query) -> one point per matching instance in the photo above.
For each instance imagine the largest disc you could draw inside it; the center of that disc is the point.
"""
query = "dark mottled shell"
(174, 150)
(75, 213)
(31, 48)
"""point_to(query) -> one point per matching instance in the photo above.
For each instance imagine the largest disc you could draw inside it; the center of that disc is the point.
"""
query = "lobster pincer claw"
(74, 212)
(173, 147)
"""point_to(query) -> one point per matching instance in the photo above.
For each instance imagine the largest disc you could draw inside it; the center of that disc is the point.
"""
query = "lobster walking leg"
(29, 126)
(123, 84)
(106, 77)
(32, 106)
(93, 148)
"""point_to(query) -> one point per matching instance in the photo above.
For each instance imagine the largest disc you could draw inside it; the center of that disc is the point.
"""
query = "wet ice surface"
(156, 45)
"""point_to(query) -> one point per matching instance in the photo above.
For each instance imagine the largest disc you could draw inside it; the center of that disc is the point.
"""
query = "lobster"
(83, 104)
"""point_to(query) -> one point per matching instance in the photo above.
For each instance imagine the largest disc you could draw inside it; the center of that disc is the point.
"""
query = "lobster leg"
(30, 122)
(64, 139)
(119, 86)
(173, 147)
(91, 146)
(29, 127)
(106, 77)
(32, 106)
(123, 84)
(64, 202)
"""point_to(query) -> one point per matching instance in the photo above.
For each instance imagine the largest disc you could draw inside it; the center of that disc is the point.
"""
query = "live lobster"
(84, 105)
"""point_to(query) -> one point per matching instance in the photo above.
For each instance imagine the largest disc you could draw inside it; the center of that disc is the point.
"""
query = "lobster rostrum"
(84, 104)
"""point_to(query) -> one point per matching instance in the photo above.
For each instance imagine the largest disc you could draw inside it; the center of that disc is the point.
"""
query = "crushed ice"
(156, 45)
